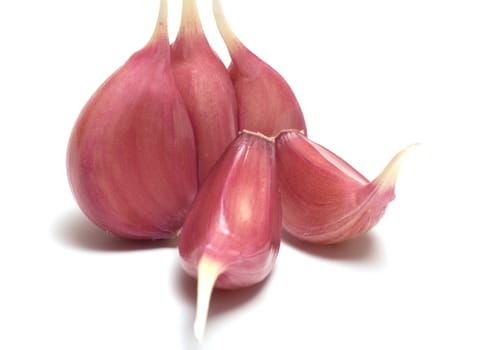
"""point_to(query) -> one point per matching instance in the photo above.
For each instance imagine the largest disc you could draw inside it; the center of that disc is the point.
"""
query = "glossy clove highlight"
(324, 199)
(266, 102)
(131, 157)
(231, 236)
(207, 89)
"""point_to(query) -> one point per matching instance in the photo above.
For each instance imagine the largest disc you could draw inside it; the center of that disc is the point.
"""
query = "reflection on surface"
(360, 249)
(75, 230)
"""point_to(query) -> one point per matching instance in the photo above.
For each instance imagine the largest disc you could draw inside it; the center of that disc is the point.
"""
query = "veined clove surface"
(266, 102)
(231, 236)
(131, 157)
(207, 89)
(324, 199)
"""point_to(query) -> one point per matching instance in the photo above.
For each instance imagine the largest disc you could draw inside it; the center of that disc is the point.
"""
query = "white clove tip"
(161, 21)
(224, 28)
(208, 272)
(388, 177)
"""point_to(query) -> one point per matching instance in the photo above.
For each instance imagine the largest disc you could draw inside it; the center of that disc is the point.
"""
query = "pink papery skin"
(236, 217)
(131, 159)
(204, 83)
(266, 102)
(324, 199)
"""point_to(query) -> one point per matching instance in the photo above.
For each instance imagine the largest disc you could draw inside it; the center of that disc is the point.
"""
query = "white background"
(371, 76)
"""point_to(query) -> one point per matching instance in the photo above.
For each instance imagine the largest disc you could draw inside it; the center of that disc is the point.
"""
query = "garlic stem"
(228, 36)
(388, 177)
(190, 21)
(161, 23)
(208, 272)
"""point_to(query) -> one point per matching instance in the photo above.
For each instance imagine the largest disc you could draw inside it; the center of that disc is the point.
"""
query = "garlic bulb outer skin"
(206, 87)
(266, 102)
(131, 157)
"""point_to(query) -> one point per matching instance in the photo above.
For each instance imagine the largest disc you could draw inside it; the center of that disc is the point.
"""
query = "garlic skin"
(266, 102)
(206, 88)
(131, 157)
(232, 233)
(324, 199)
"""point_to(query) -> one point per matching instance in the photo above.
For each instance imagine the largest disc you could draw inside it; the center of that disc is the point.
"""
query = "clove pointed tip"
(199, 330)
(224, 28)
(190, 23)
(161, 22)
(388, 177)
(208, 272)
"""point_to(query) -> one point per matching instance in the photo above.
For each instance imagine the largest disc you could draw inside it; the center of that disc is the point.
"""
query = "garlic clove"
(266, 102)
(131, 157)
(231, 236)
(207, 89)
(324, 199)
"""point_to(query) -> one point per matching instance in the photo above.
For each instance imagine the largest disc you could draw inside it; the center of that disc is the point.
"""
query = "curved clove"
(231, 236)
(324, 199)
(131, 158)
